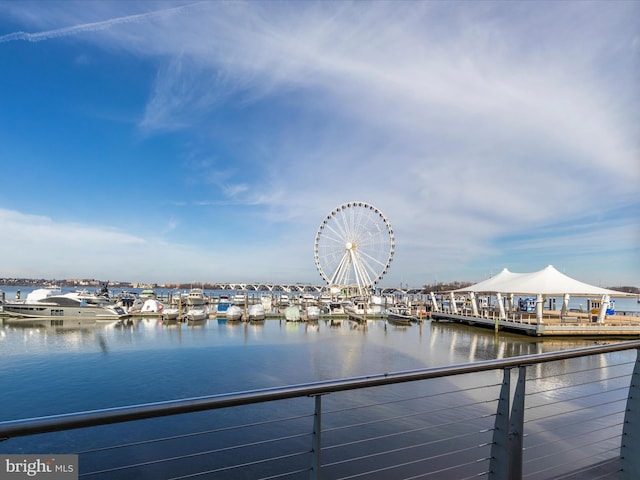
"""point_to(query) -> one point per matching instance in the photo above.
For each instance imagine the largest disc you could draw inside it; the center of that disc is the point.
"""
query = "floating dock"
(552, 324)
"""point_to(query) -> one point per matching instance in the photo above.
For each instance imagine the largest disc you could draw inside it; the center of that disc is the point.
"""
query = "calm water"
(48, 371)
(56, 371)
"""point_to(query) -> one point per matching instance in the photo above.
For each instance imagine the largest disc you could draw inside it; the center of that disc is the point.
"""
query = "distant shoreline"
(93, 283)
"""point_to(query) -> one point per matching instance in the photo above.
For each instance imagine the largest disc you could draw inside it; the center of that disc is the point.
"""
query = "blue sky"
(207, 141)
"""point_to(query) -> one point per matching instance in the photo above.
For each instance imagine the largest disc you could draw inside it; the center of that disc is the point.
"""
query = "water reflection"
(426, 344)
(48, 370)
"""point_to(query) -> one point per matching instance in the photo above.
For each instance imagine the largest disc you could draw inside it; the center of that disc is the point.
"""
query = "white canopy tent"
(543, 283)
(547, 281)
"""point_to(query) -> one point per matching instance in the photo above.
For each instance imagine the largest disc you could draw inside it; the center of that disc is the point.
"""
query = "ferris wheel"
(354, 246)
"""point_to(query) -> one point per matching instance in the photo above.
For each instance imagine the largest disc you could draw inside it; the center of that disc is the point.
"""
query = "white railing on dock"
(583, 318)
(566, 414)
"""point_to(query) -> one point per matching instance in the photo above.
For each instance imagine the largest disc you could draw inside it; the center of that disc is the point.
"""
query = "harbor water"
(48, 371)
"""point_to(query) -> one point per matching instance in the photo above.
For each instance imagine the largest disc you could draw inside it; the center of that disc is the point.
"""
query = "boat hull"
(398, 320)
(196, 314)
(170, 313)
(58, 311)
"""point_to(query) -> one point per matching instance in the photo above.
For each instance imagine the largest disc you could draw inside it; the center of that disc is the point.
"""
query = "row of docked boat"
(254, 313)
(51, 303)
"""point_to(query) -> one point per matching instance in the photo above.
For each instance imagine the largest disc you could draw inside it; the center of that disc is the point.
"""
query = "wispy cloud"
(90, 26)
(467, 123)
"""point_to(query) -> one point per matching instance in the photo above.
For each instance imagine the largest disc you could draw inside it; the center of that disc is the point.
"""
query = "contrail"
(88, 27)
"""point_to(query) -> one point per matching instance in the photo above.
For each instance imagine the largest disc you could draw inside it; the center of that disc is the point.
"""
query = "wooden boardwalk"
(553, 324)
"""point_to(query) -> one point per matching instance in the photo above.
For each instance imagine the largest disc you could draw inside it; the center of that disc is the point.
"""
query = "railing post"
(630, 445)
(316, 440)
(516, 427)
(498, 462)
(506, 451)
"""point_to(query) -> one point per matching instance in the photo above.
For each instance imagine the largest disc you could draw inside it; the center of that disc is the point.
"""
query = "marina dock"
(552, 324)
(517, 302)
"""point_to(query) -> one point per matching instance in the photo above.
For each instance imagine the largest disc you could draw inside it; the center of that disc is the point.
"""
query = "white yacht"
(196, 297)
(308, 299)
(240, 298)
(284, 301)
(46, 303)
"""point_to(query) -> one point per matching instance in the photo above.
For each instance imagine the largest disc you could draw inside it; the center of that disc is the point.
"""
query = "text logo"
(41, 467)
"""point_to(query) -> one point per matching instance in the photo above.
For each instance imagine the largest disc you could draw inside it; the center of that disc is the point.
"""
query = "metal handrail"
(53, 423)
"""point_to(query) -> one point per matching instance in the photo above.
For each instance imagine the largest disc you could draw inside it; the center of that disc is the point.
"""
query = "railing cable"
(193, 434)
(198, 454)
(417, 414)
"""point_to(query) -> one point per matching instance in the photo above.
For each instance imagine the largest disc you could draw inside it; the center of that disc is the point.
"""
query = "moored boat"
(354, 314)
(146, 306)
(234, 313)
(256, 313)
(308, 299)
(400, 316)
(223, 304)
(152, 306)
(325, 299)
(283, 301)
(196, 313)
(312, 312)
(125, 300)
(360, 306)
(267, 301)
(292, 313)
(196, 297)
(170, 313)
(42, 303)
(239, 299)
(148, 293)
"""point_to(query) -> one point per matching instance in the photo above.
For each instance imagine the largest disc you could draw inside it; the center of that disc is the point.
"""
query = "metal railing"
(619, 318)
(566, 414)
